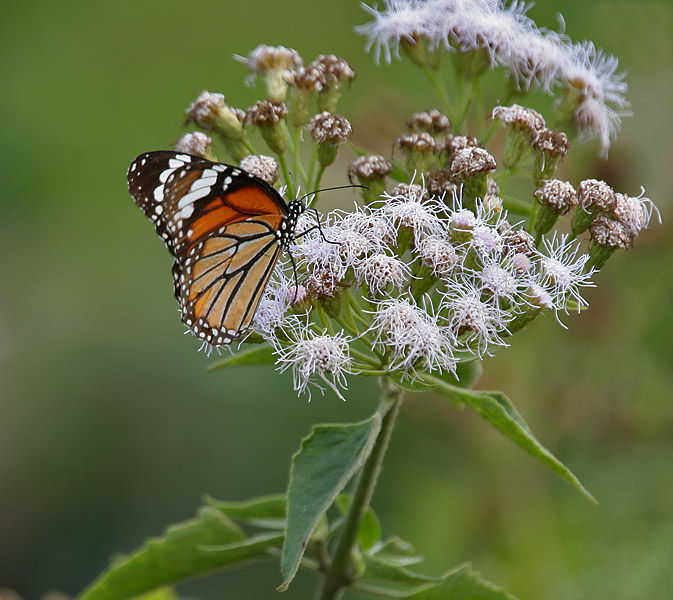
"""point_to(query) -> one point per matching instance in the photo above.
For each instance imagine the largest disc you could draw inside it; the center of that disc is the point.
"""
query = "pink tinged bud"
(520, 117)
(369, 168)
(329, 132)
(273, 64)
(442, 184)
(264, 167)
(431, 121)
(196, 143)
(609, 233)
(633, 212)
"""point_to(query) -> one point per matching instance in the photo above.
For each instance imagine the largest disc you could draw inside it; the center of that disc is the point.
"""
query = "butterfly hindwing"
(221, 224)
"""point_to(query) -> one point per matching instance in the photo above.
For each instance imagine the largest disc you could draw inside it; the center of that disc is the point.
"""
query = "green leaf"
(257, 355)
(264, 511)
(322, 467)
(180, 554)
(370, 528)
(393, 569)
(498, 410)
(409, 385)
(256, 544)
(164, 593)
(461, 584)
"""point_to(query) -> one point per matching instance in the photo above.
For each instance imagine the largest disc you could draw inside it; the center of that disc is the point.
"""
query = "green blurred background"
(110, 426)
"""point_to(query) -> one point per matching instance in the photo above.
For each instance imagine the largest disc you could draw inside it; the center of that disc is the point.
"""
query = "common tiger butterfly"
(225, 229)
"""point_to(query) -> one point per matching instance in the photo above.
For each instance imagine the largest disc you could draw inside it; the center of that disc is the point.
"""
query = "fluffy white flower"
(476, 323)
(314, 357)
(413, 337)
(562, 271)
(381, 272)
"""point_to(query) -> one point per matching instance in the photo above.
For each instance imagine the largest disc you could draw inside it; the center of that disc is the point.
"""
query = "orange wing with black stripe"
(225, 229)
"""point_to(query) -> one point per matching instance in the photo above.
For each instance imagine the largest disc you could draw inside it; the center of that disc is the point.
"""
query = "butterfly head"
(287, 229)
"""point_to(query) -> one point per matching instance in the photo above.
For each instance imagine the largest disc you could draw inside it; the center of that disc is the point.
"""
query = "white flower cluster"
(536, 58)
(440, 283)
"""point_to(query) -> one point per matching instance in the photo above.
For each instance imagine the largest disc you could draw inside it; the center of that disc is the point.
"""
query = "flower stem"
(338, 576)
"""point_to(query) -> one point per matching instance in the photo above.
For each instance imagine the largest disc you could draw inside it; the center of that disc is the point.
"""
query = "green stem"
(337, 576)
(435, 79)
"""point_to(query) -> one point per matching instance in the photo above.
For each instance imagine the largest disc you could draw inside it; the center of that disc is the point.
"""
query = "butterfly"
(225, 229)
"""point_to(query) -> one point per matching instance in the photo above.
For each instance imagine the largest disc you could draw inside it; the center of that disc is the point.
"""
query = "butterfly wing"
(221, 225)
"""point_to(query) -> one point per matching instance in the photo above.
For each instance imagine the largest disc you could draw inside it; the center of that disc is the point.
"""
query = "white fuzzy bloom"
(413, 337)
(634, 212)
(272, 310)
(536, 58)
(412, 210)
(438, 253)
(476, 323)
(314, 357)
(562, 271)
(499, 280)
(375, 228)
(380, 272)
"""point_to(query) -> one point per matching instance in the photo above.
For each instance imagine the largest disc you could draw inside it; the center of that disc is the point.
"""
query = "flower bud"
(273, 63)
(441, 184)
(595, 198)
(335, 71)
(472, 165)
(523, 127)
(556, 198)
(196, 143)
(264, 167)
(452, 143)
(269, 117)
(370, 171)
(519, 241)
(550, 149)
(421, 50)
(431, 121)
(329, 132)
(305, 82)
(606, 236)
(419, 150)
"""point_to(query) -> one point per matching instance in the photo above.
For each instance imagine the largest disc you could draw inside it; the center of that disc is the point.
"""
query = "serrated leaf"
(180, 554)
(461, 584)
(263, 511)
(370, 528)
(257, 355)
(498, 410)
(322, 467)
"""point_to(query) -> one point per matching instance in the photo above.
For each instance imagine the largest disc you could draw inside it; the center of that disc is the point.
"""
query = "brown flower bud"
(560, 196)
(264, 167)
(431, 121)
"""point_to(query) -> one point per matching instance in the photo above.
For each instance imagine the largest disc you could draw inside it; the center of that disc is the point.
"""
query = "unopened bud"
(595, 198)
(419, 150)
(370, 170)
(556, 198)
(264, 167)
(329, 132)
(606, 236)
(269, 117)
(196, 143)
(335, 71)
(431, 121)
(472, 165)
(523, 127)
(273, 63)
(551, 147)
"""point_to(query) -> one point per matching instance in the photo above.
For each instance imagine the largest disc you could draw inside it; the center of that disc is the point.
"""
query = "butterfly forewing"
(222, 226)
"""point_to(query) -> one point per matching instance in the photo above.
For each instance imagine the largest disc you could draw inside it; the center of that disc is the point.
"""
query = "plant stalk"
(337, 576)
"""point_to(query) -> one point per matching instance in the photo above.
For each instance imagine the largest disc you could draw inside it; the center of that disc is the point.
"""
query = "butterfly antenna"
(338, 187)
(296, 279)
